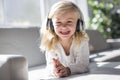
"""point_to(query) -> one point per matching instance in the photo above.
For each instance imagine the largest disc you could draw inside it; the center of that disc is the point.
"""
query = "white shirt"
(77, 61)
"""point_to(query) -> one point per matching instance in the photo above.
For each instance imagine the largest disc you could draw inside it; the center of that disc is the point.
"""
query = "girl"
(65, 41)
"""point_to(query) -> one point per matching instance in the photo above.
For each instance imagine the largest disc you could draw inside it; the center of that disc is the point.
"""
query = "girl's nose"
(64, 25)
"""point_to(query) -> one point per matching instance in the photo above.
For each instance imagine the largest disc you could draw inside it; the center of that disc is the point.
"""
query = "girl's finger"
(59, 68)
(56, 61)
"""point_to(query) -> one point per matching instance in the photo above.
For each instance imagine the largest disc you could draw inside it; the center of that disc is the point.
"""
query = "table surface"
(98, 71)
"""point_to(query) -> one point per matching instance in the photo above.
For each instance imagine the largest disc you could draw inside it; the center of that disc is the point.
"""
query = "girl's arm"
(50, 63)
(82, 60)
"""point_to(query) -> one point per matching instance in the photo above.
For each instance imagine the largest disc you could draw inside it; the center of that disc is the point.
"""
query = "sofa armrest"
(114, 43)
(13, 67)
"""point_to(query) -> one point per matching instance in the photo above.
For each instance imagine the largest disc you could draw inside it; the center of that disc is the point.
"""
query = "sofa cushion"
(13, 67)
(97, 40)
(22, 41)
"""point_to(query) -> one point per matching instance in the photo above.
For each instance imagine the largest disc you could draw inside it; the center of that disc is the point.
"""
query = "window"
(20, 12)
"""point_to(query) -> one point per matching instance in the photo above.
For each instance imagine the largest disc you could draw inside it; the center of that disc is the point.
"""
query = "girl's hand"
(60, 70)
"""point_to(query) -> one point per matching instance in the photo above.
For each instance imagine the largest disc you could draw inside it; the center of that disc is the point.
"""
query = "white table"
(98, 71)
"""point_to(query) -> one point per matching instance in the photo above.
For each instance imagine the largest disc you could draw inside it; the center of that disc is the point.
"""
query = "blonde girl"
(65, 41)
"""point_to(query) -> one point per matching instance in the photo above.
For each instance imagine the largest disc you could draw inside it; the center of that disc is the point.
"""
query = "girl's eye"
(58, 23)
(69, 22)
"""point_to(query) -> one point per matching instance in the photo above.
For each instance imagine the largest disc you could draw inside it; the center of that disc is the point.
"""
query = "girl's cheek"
(57, 28)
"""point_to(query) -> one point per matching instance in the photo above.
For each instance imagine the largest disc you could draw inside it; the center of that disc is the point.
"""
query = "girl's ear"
(50, 24)
(79, 25)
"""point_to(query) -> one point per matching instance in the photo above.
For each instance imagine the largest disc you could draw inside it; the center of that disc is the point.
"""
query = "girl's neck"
(66, 43)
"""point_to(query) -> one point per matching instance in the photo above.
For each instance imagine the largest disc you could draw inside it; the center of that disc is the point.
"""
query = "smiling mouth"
(65, 33)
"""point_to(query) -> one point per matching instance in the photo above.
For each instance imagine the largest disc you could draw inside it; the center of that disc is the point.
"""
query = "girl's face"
(65, 24)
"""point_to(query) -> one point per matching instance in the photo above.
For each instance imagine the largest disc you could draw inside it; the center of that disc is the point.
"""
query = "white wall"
(1, 12)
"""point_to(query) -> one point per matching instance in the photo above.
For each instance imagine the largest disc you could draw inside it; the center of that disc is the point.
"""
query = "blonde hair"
(49, 37)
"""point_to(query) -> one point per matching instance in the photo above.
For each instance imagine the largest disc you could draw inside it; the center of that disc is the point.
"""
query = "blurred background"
(102, 15)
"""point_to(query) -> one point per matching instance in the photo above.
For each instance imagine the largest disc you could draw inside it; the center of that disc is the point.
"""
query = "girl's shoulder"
(81, 43)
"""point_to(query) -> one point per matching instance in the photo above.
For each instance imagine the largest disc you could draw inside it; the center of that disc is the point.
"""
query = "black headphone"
(79, 25)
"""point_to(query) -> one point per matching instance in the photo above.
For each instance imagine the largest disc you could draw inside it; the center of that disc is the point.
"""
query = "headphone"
(79, 25)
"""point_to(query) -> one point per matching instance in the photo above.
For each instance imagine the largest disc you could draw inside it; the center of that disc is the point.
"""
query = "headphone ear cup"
(79, 25)
(50, 24)
(82, 24)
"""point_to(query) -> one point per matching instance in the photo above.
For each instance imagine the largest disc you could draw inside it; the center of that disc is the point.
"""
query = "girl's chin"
(65, 36)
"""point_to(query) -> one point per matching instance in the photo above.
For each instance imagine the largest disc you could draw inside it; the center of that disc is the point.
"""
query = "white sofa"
(104, 50)
(21, 58)
(23, 42)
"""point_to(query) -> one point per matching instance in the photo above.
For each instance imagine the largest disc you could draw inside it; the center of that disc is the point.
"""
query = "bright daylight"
(59, 39)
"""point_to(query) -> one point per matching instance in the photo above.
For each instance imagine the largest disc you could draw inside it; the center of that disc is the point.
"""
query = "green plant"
(105, 17)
